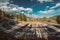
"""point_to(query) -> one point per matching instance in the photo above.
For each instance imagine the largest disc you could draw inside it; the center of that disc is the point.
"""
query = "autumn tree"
(22, 17)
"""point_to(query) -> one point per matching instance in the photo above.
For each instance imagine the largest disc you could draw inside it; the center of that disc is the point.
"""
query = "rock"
(6, 25)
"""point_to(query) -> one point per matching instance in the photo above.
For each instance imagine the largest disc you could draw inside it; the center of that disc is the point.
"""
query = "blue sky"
(32, 8)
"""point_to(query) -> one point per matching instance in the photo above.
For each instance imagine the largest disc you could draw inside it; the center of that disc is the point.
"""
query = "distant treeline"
(23, 17)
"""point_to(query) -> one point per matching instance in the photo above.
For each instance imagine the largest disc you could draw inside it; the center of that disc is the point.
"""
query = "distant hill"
(23, 17)
(57, 18)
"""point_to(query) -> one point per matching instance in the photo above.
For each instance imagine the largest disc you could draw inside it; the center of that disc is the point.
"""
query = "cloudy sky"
(32, 8)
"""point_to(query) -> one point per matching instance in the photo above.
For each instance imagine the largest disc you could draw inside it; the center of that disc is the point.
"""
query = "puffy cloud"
(45, 1)
(57, 5)
(8, 8)
(3, 5)
(5, 8)
(47, 6)
(4, 2)
(14, 9)
(47, 11)
(29, 9)
(22, 12)
(25, 9)
(21, 8)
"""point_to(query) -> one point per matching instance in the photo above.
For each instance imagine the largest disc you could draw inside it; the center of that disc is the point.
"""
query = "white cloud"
(57, 5)
(14, 9)
(5, 8)
(26, 9)
(4, 2)
(47, 11)
(29, 9)
(21, 8)
(11, 7)
(22, 12)
(45, 1)
(47, 6)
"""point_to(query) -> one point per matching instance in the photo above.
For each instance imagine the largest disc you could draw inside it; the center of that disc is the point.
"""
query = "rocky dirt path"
(39, 29)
